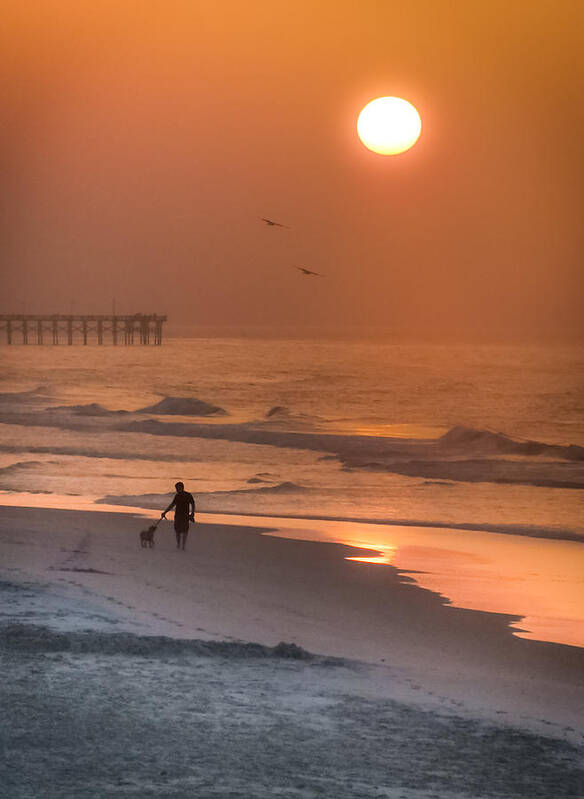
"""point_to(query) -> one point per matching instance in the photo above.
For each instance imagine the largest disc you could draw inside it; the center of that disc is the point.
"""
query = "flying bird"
(271, 223)
(307, 271)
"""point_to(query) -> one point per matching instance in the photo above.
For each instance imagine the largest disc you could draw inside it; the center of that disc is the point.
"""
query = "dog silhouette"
(147, 537)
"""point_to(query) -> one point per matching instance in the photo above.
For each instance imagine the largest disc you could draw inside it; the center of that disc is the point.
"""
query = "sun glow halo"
(389, 125)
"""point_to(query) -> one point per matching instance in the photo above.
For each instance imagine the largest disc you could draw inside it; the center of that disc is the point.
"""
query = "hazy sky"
(142, 140)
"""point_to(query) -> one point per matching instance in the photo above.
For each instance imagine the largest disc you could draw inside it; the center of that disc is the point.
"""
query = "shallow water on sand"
(343, 429)
(539, 580)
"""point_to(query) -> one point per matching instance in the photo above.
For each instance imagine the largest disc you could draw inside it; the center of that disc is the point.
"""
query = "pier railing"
(80, 329)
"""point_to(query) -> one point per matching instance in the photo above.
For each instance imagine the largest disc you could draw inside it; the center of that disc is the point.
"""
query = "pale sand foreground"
(451, 705)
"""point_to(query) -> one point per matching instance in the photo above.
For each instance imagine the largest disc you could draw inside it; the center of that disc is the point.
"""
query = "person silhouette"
(182, 503)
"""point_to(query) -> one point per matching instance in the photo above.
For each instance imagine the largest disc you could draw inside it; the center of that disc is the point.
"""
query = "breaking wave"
(458, 441)
(512, 472)
(156, 501)
(168, 406)
(462, 454)
(88, 452)
(33, 395)
(20, 466)
(287, 487)
(281, 416)
(153, 501)
(278, 410)
(184, 406)
(487, 442)
(91, 409)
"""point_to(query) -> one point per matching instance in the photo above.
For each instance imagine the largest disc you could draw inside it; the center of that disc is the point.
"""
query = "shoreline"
(519, 530)
(237, 583)
(97, 503)
(537, 581)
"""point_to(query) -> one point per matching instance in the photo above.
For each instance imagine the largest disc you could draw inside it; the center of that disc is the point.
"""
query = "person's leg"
(184, 539)
(177, 539)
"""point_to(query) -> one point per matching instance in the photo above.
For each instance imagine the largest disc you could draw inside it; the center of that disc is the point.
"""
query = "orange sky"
(143, 138)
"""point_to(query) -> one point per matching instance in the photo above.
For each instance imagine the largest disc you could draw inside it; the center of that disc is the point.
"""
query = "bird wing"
(271, 222)
(307, 271)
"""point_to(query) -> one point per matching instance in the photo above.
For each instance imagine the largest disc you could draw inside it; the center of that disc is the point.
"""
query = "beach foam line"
(157, 500)
(537, 581)
(36, 638)
(150, 506)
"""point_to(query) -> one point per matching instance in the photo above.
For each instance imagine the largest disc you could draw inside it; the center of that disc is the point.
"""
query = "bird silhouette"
(271, 223)
(307, 271)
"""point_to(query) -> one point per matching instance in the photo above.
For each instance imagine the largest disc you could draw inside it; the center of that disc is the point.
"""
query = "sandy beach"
(311, 273)
(138, 672)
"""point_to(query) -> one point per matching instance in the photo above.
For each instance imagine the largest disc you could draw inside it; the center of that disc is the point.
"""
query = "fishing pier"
(81, 329)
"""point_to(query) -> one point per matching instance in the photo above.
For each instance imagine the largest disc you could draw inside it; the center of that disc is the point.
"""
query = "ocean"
(485, 436)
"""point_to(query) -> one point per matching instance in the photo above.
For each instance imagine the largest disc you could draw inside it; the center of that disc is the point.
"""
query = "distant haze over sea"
(381, 333)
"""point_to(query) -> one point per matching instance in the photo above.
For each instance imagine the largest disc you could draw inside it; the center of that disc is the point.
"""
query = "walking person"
(184, 512)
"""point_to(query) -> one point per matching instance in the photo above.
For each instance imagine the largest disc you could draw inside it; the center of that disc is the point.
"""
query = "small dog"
(147, 537)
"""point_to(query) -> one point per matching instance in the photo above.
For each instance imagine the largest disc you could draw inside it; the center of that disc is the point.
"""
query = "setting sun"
(389, 125)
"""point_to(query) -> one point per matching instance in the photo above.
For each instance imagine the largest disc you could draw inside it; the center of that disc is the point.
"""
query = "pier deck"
(81, 328)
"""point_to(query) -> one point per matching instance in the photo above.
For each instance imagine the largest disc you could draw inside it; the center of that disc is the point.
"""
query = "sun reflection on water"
(385, 557)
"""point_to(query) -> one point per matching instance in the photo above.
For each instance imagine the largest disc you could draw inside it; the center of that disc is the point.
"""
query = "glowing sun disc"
(389, 125)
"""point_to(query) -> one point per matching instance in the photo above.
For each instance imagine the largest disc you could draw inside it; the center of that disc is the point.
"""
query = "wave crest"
(33, 395)
(184, 406)
(472, 441)
(91, 409)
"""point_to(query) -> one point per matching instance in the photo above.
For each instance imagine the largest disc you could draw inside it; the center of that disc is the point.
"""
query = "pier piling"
(81, 329)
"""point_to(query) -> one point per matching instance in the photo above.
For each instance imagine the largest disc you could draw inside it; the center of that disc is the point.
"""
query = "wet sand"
(540, 579)
(416, 677)
(536, 578)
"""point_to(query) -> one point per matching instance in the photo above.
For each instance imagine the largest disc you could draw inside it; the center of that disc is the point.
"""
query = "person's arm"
(192, 505)
(172, 504)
